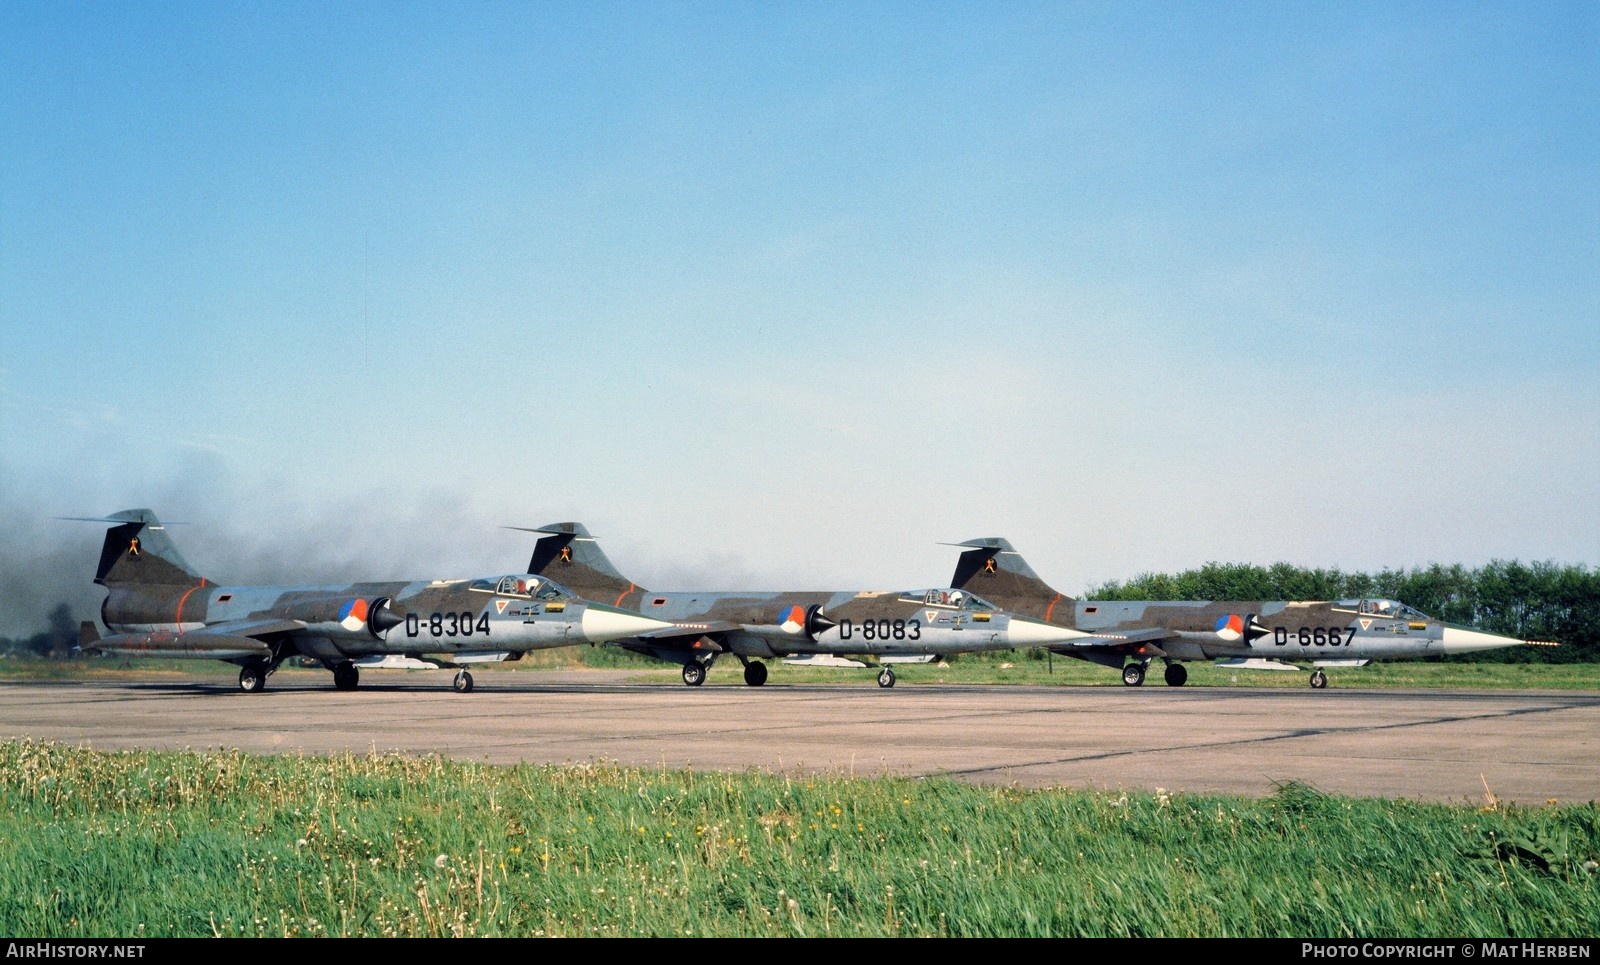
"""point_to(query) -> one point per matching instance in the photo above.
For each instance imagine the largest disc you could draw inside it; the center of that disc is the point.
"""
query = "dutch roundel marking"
(1230, 627)
(793, 620)
(353, 615)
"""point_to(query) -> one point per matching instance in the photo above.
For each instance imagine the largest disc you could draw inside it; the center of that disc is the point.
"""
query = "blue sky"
(784, 295)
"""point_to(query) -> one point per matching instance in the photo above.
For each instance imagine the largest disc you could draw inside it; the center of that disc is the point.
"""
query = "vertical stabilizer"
(999, 574)
(567, 554)
(137, 550)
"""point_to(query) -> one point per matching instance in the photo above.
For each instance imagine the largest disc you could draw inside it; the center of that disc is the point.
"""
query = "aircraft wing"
(1141, 640)
(687, 633)
(248, 628)
(690, 641)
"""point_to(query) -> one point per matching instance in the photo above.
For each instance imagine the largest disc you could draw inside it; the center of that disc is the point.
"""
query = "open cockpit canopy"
(523, 585)
(946, 596)
(1387, 609)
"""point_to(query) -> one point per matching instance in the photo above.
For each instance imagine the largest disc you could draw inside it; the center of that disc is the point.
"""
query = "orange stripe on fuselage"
(624, 593)
(1051, 608)
(181, 599)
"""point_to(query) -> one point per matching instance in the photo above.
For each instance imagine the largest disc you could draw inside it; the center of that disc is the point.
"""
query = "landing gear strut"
(1133, 674)
(463, 683)
(886, 678)
(1319, 679)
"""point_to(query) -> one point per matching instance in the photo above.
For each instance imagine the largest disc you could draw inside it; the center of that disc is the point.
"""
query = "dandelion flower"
(441, 861)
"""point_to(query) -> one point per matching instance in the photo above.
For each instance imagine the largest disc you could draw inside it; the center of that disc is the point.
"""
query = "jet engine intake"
(809, 622)
(817, 622)
(381, 617)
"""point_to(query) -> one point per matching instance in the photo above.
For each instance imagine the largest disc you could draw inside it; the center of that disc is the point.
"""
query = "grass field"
(98, 845)
(188, 844)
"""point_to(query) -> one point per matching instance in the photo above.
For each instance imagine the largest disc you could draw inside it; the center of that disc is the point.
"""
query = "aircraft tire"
(252, 680)
(1177, 674)
(1133, 674)
(694, 673)
(1319, 679)
(346, 677)
(886, 678)
(755, 673)
(463, 683)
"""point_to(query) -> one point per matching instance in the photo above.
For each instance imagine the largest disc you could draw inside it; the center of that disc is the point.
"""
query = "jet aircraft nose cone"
(1461, 640)
(602, 623)
(1023, 632)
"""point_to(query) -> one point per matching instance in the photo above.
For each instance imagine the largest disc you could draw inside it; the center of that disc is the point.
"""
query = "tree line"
(1530, 601)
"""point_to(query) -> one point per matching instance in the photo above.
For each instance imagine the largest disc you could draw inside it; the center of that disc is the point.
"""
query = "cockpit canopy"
(945, 596)
(1388, 609)
(523, 585)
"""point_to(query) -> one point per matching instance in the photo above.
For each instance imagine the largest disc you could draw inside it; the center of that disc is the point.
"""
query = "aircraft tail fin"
(88, 637)
(567, 554)
(137, 550)
(999, 574)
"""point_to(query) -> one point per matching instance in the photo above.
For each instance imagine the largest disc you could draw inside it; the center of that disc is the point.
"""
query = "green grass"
(197, 844)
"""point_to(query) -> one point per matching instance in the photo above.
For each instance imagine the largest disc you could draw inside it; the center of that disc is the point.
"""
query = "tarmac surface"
(1480, 747)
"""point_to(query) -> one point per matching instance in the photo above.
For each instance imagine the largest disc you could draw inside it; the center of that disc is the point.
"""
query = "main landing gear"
(253, 678)
(1319, 679)
(463, 683)
(253, 675)
(346, 676)
(1176, 674)
(886, 678)
(755, 673)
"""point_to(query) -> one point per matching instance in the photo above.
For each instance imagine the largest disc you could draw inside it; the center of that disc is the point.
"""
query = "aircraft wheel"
(463, 683)
(346, 677)
(755, 673)
(886, 678)
(694, 674)
(1177, 674)
(1133, 674)
(252, 679)
(1319, 679)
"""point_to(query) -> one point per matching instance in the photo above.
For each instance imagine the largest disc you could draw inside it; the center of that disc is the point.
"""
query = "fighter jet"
(158, 606)
(1255, 635)
(881, 626)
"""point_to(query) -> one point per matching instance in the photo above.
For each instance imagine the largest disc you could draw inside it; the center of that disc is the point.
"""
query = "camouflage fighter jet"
(1255, 635)
(158, 606)
(879, 626)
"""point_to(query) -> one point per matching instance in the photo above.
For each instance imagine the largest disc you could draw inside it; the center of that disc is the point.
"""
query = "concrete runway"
(1443, 746)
